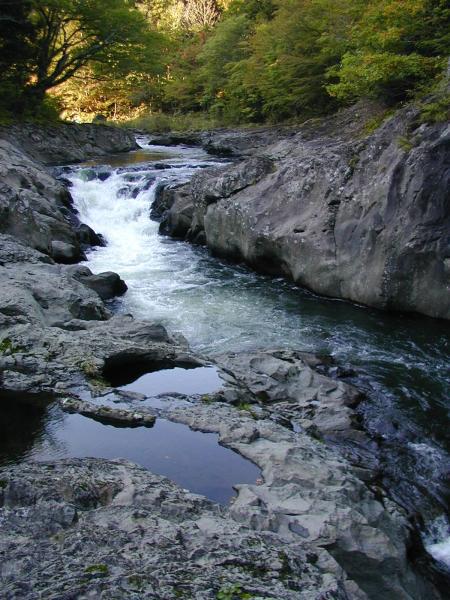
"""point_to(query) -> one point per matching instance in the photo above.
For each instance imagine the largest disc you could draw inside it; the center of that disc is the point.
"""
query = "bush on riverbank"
(164, 122)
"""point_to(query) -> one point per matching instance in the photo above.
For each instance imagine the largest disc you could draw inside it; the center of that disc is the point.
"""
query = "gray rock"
(225, 142)
(34, 207)
(108, 414)
(80, 351)
(164, 198)
(284, 383)
(38, 292)
(68, 142)
(361, 218)
(107, 285)
(239, 143)
(191, 138)
(65, 253)
(109, 529)
(88, 237)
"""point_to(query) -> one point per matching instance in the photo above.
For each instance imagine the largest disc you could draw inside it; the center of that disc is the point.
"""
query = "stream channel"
(400, 361)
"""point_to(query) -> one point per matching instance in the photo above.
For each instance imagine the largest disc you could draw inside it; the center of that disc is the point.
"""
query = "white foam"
(440, 551)
(437, 540)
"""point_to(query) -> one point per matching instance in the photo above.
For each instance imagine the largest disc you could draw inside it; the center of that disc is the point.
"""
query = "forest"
(223, 62)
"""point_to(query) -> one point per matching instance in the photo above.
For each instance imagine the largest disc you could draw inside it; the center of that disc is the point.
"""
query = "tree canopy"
(49, 41)
(395, 47)
(238, 60)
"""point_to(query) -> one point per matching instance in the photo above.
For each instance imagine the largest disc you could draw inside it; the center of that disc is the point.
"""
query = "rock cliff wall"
(360, 217)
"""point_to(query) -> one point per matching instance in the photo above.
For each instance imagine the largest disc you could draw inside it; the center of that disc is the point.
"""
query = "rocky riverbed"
(315, 525)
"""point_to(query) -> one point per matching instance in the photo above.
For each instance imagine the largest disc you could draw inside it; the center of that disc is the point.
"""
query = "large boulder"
(107, 285)
(38, 292)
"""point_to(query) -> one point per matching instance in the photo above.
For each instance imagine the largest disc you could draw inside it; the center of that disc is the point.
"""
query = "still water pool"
(36, 430)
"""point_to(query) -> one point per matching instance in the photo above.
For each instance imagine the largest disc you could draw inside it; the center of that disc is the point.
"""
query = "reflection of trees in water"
(26, 422)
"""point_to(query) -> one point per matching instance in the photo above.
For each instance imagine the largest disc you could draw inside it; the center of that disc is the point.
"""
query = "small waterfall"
(122, 214)
(437, 540)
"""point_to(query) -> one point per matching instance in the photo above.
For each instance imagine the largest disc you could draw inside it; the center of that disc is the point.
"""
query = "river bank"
(314, 501)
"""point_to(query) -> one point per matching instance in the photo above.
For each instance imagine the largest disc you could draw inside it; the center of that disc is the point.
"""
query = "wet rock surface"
(108, 414)
(107, 285)
(365, 218)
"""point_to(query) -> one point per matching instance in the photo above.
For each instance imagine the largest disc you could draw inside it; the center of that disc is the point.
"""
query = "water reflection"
(128, 159)
(193, 459)
(178, 380)
(23, 425)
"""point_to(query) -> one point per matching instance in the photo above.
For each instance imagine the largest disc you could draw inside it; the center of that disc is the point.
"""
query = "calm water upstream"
(402, 361)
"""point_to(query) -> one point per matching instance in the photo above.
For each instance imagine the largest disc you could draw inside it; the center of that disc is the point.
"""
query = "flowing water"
(401, 361)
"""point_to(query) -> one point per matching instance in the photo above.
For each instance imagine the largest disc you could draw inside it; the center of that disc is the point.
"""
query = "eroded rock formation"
(345, 214)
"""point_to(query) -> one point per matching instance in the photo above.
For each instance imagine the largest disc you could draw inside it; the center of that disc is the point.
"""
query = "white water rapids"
(221, 308)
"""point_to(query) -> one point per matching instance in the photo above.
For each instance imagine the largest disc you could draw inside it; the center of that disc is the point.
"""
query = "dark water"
(200, 380)
(31, 430)
(128, 159)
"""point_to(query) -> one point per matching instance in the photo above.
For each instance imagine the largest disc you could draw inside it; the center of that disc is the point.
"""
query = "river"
(401, 361)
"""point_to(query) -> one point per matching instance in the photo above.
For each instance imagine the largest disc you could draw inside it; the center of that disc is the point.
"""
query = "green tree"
(16, 33)
(288, 57)
(71, 34)
(253, 9)
(222, 63)
(219, 53)
(183, 87)
(397, 47)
